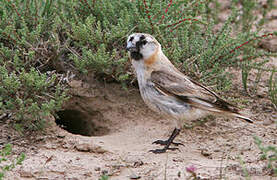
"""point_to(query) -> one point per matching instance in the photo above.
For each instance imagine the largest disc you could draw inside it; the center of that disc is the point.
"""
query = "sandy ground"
(122, 130)
(128, 129)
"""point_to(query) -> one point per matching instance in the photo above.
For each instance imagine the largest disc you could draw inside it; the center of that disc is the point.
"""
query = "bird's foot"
(166, 142)
(163, 150)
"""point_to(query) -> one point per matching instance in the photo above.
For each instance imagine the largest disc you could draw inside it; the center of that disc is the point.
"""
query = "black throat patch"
(136, 55)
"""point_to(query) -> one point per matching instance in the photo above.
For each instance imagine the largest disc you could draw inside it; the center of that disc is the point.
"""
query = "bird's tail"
(219, 107)
(239, 115)
(232, 110)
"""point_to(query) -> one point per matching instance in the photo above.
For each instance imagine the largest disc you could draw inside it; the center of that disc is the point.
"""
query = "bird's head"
(142, 46)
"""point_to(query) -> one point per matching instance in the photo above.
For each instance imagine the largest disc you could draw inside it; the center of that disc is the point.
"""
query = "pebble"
(86, 147)
(205, 152)
(134, 176)
(269, 44)
(97, 169)
(25, 174)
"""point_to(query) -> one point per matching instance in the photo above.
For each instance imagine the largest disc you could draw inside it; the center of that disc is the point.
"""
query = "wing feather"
(189, 91)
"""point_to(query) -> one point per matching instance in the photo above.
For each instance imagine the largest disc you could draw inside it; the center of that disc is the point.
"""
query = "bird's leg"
(167, 143)
(171, 138)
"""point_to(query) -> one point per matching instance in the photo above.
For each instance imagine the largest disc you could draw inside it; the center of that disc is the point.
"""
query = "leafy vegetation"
(7, 163)
(41, 40)
(269, 153)
(30, 96)
(273, 89)
(103, 177)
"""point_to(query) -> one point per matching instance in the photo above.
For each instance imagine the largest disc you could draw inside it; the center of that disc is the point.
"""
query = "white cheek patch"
(148, 50)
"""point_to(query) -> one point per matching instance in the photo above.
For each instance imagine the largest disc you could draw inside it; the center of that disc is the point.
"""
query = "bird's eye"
(142, 38)
(131, 39)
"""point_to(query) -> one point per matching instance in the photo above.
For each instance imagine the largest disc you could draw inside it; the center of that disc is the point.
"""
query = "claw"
(159, 151)
(161, 142)
(177, 144)
(167, 143)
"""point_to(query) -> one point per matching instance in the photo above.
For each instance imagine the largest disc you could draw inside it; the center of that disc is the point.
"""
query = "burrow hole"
(78, 122)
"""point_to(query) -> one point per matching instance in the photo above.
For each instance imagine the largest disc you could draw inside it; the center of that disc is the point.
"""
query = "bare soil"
(127, 129)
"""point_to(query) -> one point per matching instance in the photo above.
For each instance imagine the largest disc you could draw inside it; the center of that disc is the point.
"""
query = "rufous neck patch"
(151, 59)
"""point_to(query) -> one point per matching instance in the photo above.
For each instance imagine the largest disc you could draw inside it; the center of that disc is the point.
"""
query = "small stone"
(25, 174)
(138, 163)
(267, 122)
(84, 147)
(104, 172)
(179, 174)
(134, 176)
(205, 152)
(75, 83)
(98, 149)
(60, 136)
(97, 169)
(269, 44)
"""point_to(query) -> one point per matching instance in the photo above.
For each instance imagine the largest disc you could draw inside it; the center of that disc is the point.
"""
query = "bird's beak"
(130, 47)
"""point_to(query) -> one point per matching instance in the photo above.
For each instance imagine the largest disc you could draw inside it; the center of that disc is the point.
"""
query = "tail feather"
(220, 107)
(243, 117)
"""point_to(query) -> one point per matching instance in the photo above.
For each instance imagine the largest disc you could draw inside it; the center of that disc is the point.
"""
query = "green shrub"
(31, 97)
(7, 163)
(29, 51)
(269, 153)
(185, 30)
(273, 88)
(38, 37)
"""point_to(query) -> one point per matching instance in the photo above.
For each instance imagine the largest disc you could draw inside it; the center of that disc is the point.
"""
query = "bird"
(169, 92)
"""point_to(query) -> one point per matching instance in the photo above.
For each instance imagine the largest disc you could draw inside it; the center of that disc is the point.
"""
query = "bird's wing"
(176, 84)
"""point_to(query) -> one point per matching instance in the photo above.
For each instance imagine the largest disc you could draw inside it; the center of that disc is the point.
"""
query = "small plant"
(192, 170)
(7, 163)
(269, 153)
(244, 169)
(272, 90)
(104, 177)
